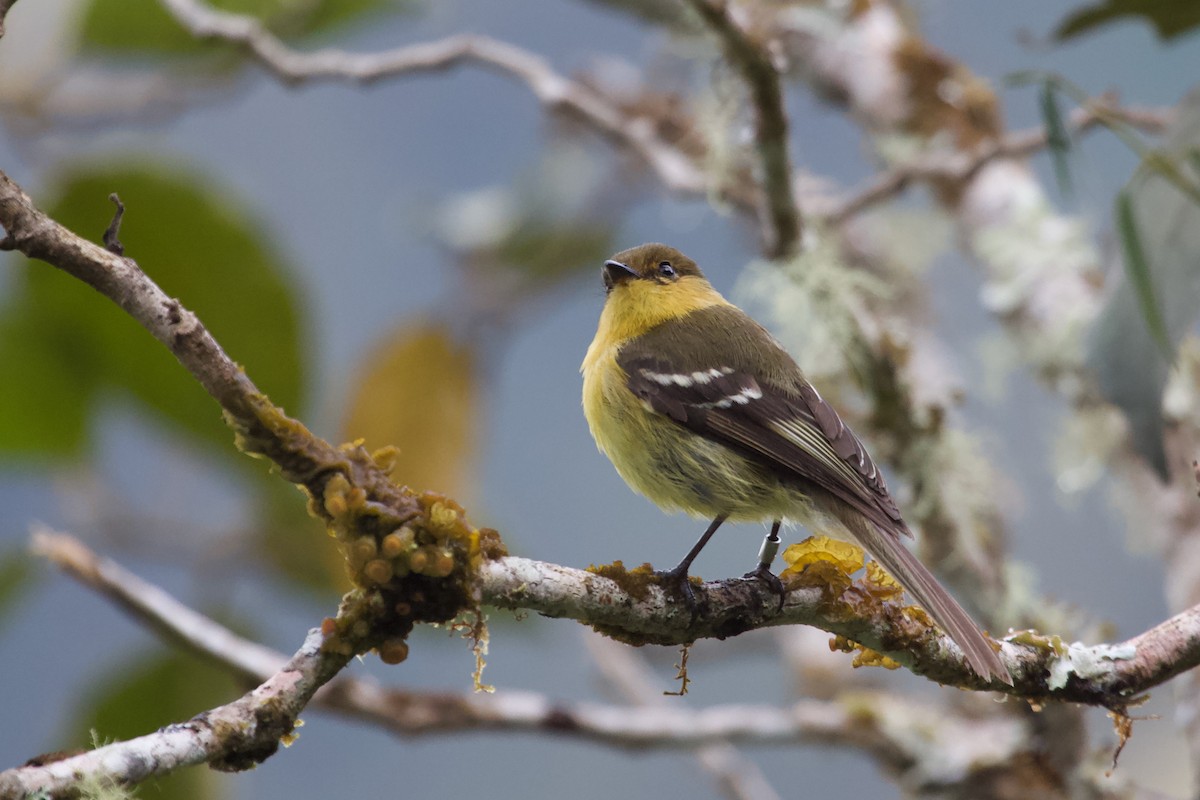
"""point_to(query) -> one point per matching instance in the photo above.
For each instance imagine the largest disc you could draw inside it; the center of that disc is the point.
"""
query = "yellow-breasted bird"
(701, 410)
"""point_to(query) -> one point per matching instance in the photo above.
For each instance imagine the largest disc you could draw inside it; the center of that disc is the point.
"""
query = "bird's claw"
(676, 582)
(763, 573)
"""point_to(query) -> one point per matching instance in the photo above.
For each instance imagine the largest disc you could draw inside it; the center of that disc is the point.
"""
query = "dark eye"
(666, 270)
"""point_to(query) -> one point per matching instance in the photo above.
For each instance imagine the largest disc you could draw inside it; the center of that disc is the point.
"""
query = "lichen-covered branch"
(663, 724)
(779, 215)
(918, 742)
(1042, 667)
(232, 737)
(626, 605)
(425, 565)
(892, 730)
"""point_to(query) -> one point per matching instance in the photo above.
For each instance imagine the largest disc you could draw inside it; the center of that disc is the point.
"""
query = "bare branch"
(738, 777)
(166, 616)
(675, 169)
(957, 166)
(232, 737)
(779, 215)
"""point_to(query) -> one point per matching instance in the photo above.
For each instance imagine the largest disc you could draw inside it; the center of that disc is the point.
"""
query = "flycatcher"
(701, 410)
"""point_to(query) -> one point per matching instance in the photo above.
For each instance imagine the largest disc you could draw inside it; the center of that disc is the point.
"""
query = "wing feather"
(798, 435)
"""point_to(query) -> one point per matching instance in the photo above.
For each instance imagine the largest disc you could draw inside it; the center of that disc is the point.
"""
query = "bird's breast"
(671, 465)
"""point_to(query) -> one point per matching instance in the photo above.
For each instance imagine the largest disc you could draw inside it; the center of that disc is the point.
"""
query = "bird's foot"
(675, 583)
(763, 573)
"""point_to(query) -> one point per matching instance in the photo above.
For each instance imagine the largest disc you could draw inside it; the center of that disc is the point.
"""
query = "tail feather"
(890, 551)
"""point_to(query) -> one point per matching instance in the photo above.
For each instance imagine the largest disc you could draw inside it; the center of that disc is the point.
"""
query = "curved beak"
(615, 272)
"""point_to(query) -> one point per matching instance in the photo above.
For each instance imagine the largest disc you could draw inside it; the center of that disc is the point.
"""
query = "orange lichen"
(393, 651)
(634, 582)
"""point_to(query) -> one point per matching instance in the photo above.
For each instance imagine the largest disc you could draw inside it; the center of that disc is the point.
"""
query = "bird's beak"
(615, 272)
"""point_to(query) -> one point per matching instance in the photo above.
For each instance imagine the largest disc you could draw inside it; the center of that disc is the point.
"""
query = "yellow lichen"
(863, 656)
(846, 557)
(1032, 638)
(871, 658)
(881, 584)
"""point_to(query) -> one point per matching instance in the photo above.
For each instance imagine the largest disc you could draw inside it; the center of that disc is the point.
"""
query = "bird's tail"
(889, 550)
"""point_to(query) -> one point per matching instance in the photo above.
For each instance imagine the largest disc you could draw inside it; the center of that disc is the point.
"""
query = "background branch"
(673, 168)
(235, 736)
(779, 215)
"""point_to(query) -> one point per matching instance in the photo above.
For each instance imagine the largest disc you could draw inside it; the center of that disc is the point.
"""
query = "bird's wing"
(796, 433)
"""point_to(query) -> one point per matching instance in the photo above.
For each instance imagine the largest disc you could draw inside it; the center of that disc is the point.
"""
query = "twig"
(112, 242)
(675, 169)
(624, 667)
(166, 616)
(958, 166)
(779, 215)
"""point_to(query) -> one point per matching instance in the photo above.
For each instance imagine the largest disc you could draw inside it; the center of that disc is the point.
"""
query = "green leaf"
(69, 345)
(1137, 268)
(549, 249)
(296, 543)
(1133, 342)
(1170, 18)
(1057, 138)
(147, 693)
(15, 576)
(49, 389)
(125, 27)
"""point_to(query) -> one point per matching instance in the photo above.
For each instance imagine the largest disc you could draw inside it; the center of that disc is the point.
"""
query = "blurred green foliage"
(62, 347)
(1134, 340)
(1170, 18)
(149, 691)
(128, 28)
(15, 576)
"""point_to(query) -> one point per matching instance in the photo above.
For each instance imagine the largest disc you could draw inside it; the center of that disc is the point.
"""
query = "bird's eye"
(666, 270)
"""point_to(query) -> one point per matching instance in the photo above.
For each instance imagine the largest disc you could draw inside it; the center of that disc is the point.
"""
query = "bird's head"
(651, 284)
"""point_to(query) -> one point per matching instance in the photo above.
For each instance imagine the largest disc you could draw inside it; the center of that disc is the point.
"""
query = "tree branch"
(736, 776)
(232, 737)
(779, 215)
(957, 166)
(895, 732)
(674, 168)
(423, 713)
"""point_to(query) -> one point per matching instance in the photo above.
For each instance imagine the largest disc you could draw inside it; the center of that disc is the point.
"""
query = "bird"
(702, 410)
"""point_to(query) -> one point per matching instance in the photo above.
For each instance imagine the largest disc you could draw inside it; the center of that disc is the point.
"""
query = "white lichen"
(1087, 661)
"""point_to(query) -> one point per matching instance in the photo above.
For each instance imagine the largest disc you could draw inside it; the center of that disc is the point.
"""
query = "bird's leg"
(677, 578)
(766, 554)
